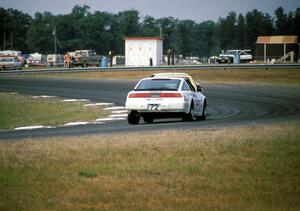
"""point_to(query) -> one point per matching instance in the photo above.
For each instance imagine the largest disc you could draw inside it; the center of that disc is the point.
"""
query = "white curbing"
(97, 104)
(109, 119)
(43, 96)
(76, 123)
(119, 112)
(75, 100)
(104, 119)
(115, 108)
(118, 115)
(32, 127)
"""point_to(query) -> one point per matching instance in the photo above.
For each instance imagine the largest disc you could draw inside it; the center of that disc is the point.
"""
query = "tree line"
(104, 32)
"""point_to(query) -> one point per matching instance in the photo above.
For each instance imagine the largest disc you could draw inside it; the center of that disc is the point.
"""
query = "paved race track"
(228, 105)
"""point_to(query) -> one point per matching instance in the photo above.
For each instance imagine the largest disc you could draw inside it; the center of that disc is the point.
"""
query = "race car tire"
(148, 119)
(203, 115)
(189, 116)
(133, 117)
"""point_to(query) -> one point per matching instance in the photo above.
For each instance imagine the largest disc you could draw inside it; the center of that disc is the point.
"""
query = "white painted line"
(76, 123)
(119, 112)
(97, 104)
(43, 96)
(118, 115)
(120, 118)
(75, 100)
(105, 104)
(104, 119)
(97, 123)
(115, 108)
(49, 127)
(109, 119)
(30, 127)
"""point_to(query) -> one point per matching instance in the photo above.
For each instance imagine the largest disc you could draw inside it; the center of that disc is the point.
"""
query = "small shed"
(275, 47)
(143, 51)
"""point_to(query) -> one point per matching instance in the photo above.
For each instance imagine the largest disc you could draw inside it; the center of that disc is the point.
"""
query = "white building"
(143, 51)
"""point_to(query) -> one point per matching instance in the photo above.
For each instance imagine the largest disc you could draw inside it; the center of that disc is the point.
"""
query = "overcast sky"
(198, 10)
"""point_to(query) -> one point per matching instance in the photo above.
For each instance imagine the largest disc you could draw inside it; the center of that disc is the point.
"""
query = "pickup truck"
(10, 62)
(228, 56)
(85, 58)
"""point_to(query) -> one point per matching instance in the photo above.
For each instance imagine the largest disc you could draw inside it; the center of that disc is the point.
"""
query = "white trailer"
(55, 60)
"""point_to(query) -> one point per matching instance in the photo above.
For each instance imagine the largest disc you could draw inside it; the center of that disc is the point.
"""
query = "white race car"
(165, 97)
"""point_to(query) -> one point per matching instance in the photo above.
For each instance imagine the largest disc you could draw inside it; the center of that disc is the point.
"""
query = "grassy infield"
(21, 110)
(251, 167)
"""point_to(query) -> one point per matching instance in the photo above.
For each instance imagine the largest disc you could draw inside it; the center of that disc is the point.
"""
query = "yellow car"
(179, 75)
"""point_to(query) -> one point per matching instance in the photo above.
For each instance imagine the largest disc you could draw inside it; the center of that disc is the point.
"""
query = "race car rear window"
(158, 84)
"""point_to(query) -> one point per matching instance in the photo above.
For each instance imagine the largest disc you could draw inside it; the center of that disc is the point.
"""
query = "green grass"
(252, 168)
(230, 76)
(20, 110)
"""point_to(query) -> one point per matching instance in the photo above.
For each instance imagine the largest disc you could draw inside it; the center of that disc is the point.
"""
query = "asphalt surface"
(228, 105)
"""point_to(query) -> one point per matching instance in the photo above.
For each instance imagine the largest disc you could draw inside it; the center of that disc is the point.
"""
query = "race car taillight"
(170, 95)
(139, 95)
(156, 95)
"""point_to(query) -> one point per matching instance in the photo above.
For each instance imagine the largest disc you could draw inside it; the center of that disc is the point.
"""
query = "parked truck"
(228, 56)
(85, 58)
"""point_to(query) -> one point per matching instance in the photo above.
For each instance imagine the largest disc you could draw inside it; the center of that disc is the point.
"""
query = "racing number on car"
(153, 107)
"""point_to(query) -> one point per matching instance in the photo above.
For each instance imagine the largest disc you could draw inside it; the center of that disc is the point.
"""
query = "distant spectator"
(67, 60)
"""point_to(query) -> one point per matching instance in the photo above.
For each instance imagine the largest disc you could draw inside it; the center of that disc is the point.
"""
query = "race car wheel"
(203, 115)
(189, 116)
(133, 117)
(148, 119)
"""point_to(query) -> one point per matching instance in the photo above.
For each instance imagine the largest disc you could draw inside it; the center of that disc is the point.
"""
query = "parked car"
(37, 60)
(165, 97)
(228, 56)
(10, 63)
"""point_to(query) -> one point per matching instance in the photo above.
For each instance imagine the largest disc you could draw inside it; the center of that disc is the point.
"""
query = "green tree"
(149, 27)
(14, 24)
(227, 31)
(103, 32)
(240, 31)
(281, 21)
(296, 23)
(185, 32)
(205, 39)
(257, 24)
(168, 26)
(40, 34)
(129, 23)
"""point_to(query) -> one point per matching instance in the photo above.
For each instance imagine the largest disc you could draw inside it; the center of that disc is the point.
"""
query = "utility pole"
(160, 32)
(54, 34)
(4, 41)
(11, 41)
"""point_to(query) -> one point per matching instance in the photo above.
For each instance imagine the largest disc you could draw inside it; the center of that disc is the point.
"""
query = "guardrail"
(176, 67)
